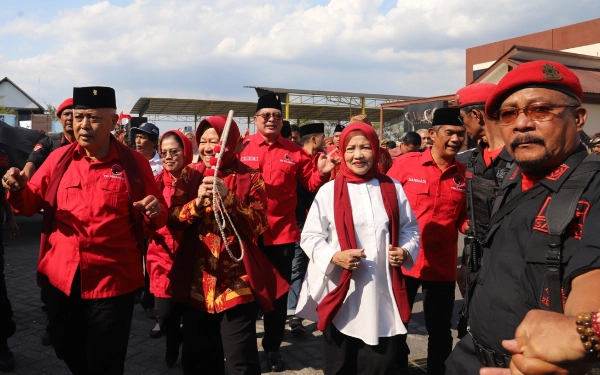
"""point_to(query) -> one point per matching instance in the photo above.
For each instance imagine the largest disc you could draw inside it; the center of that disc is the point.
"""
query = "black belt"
(490, 358)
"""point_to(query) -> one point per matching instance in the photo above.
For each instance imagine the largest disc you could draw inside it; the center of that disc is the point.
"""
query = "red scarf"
(344, 223)
(132, 178)
(266, 283)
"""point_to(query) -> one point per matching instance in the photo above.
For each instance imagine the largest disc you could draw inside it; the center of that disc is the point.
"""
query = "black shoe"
(7, 360)
(296, 326)
(275, 361)
(46, 339)
(156, 333)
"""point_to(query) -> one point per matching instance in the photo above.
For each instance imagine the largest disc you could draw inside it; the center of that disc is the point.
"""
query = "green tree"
(3, 109)
(51, 110)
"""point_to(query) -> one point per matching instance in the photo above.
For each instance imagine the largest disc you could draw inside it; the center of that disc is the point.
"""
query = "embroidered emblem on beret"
(551, 73)
(457, 99)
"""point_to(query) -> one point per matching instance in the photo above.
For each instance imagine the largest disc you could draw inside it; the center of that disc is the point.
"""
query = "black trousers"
(168, 315)
(345, 355)
(210, 338)
(91, 336)
(7, 325)
(438, 305)
(463, 360)
(281, 256)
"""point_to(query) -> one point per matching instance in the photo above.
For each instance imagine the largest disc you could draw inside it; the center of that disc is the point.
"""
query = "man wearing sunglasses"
(487, 165)
(282, 164)
(541, 259)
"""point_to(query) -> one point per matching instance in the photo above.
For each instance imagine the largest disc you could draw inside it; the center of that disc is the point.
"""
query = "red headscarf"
(344, 223)
(218, 123)
(188, 155)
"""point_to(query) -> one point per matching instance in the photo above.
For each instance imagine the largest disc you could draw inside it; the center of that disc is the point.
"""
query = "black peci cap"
(446, 116)
(270, 100)
(314, 128)
(93, 97)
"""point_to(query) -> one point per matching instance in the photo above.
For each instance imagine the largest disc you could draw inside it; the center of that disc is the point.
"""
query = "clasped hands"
(205, 190)
(351, 259)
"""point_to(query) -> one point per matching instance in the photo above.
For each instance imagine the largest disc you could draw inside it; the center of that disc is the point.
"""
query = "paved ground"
(145, 355)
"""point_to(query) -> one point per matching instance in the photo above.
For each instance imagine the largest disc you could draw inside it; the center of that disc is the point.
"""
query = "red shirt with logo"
(282, 164)
(438, 200)
(93, 228)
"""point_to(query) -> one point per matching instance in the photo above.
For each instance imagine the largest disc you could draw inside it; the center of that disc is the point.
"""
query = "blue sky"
(212, 48)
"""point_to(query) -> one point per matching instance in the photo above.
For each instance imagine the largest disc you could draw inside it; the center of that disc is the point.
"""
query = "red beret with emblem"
(68, 103)
(474, 94)
(541, 73)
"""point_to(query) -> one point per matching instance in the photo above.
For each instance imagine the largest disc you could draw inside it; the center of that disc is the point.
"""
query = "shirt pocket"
(113, 196)
(67, 197)
(418, 195)
(458, 201)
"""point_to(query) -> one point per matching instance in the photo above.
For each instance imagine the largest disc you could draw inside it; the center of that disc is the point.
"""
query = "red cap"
(541, 73)
(68, 103)
(476, 93)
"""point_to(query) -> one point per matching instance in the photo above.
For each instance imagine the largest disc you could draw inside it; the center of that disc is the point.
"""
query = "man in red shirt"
(282, 164)
(98, 196)
(434, 182)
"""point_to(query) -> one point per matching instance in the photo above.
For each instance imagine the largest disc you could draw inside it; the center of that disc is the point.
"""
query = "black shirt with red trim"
(512, 277)
(45, 146)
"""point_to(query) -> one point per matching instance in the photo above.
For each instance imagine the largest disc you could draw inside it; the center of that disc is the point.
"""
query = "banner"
(419, 116)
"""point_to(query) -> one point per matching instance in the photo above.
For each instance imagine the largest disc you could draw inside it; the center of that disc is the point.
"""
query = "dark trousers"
(7, 325)
(281, 256)
(168, 315)
(209, 338)
(463, 360)
(345, 355)
(299, 266)
(91, 336)
(438, 305)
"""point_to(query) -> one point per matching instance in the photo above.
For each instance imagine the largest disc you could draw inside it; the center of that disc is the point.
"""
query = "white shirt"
(156, 164)
(369, 310)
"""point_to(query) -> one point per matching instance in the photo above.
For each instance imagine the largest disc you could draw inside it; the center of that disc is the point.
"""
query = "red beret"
(476, 93)
(68, 103)
(541, 73)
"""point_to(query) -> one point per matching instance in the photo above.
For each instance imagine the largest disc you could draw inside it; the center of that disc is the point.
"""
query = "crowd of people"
(210, 231)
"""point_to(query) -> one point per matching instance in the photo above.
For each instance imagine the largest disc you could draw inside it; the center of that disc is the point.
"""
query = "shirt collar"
(557, 177)
(426, 158)
(112, 152)
(156, 158)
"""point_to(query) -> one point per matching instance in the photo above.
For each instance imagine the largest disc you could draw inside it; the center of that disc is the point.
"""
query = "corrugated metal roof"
(197, 107)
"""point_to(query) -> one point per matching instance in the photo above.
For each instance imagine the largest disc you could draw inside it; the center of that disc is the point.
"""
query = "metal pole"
(363, 108)
(287, 106)
(381, 122)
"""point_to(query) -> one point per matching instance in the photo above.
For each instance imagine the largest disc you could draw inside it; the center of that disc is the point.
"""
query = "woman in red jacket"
(176, 151)
(223, 283)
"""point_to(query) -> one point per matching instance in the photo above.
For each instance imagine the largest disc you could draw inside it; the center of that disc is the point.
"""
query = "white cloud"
(210, 48)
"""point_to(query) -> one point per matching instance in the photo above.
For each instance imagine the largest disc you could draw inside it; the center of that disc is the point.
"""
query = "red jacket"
(282, 165)
(438, 200)
(93, 227)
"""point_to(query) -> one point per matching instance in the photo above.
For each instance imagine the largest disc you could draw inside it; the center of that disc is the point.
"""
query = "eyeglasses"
(174, 152)
(534, 112)
(461, 118)
(267, 116)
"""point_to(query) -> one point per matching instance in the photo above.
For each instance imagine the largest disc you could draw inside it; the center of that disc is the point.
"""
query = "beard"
(530, 163)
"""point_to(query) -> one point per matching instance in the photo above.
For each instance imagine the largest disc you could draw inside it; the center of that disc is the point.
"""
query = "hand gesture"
(206, 187)
(326, 163)
(397, 256)
(240, 146)
(149, 206)
(14, 179)
(348, 259)
(545, 343)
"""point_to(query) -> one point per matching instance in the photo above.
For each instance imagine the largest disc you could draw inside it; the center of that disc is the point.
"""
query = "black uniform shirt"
(511, 280)
(483, 198)
(45, 146)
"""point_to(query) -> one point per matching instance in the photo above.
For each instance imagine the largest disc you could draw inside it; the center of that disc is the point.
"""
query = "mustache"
(527, 138)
